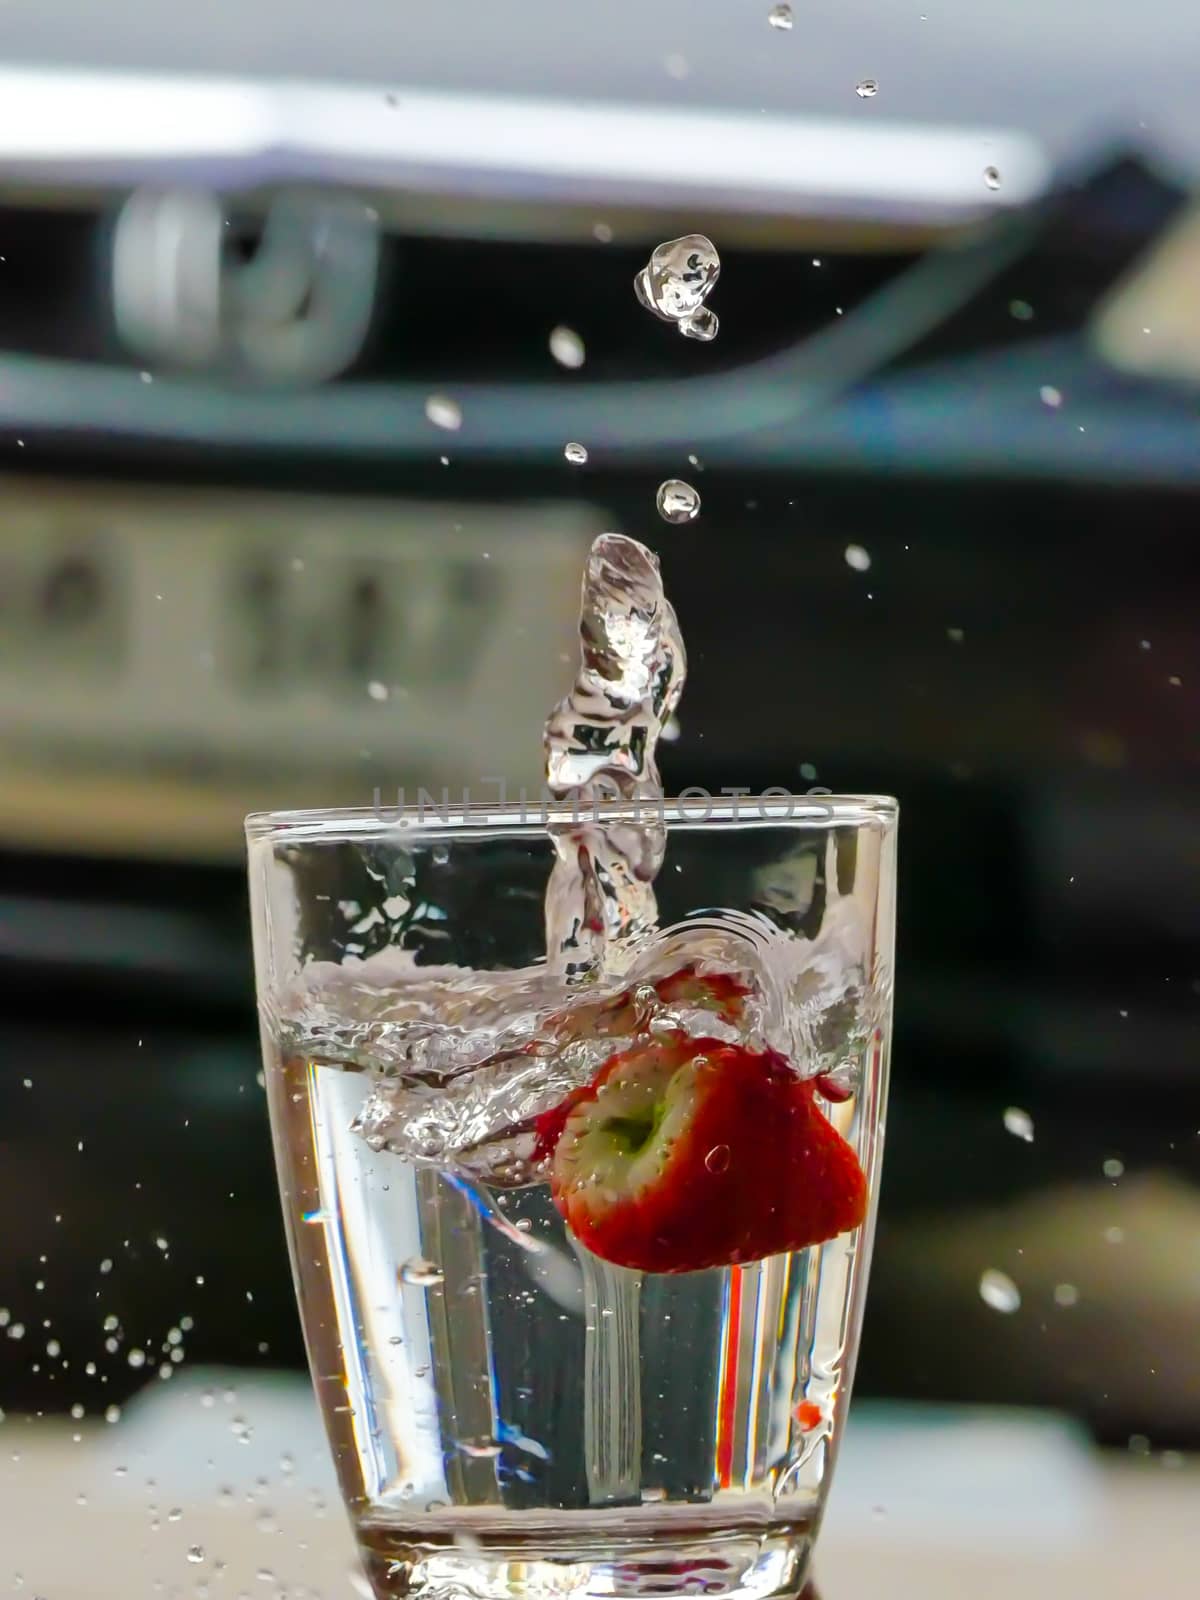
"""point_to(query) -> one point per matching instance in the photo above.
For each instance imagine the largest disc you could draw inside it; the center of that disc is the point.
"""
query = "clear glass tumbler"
(511, 1414)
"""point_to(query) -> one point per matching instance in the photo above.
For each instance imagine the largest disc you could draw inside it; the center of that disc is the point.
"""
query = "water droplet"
(113, 1414)
(77, 1411)
(106, 1265)
(780, 17)
(1020, 310)
(857, 557)
(566, 347)
(1019, 1123)
(1050, 396)
(703, 325)
(195, 1553)
(717, 1159)
(675, 282)
(602, 233)
(136, 1357)
(1113, 1167)
(576, 454)
(422, 1274)
(53, 1348)
(265, 1575)
(444, 412)
(996, 1289)
(241, 1430)
(677, 501)
(991, 176)
(866, 88)
(1066, 1294)
(1114, 1235)
(16, 1330)
(175, 1514)
(377, 690)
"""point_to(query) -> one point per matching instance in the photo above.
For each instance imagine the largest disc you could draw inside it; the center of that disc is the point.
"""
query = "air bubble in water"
(991, 176)
(566, 347)
(703, 325)
(866, 88)
(996, 1289)
(780, 17)
(444, 412)
(677, 501)
(1019, 1123)
(421, 1274)
(576, 454)
(675, 282)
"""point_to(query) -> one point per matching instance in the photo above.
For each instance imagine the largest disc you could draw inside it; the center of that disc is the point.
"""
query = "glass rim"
(699, 810)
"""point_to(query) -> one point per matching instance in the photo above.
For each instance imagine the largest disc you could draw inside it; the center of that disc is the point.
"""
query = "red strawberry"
(689, 1153)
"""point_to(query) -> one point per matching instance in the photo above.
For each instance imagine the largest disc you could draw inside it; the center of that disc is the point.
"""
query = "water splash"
(676, 281)
(600, 744)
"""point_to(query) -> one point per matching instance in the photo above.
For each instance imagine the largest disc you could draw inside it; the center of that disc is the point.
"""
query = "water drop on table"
(443, 412)
(997, 1290)
(991, 176)
(866, 88)
(678, 277)
(703, 325)
(422, 1274)
(677, 501)
(1019, 1123)
(780, 17)
(566, 347)
(576, 454)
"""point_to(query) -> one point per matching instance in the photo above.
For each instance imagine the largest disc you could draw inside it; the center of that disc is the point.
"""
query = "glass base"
(548, 1563)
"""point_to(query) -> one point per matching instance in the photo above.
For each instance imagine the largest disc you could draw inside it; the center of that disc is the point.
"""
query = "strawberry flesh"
(689, 1153)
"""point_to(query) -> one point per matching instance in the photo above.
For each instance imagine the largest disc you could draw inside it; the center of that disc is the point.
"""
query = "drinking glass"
(511, 1415)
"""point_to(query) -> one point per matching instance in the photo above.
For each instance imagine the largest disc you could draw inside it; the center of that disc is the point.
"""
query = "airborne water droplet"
(996, 1289)
(780, 17)
(566, 347)
(857, 557)
(422, 1274)
(678, 277)
(444, 412)
(991, 176)
(576, 454)
(677, 501)
(703, 325)
(866, 88)
(1019, 1123)
(195, 1553)
(717, 1159)
(1050, 396)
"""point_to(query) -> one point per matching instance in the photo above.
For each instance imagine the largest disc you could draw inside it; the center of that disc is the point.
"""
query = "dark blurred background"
(946, 444)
